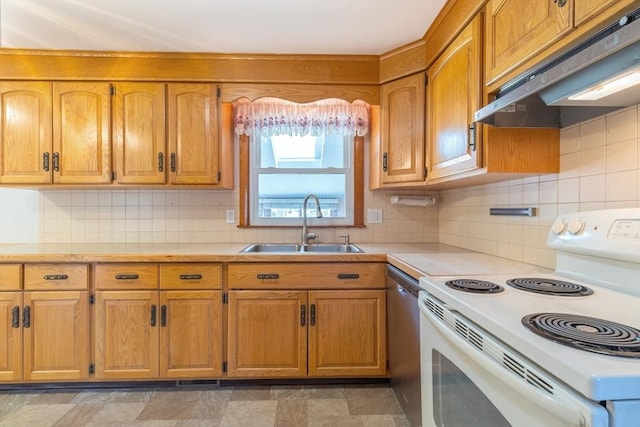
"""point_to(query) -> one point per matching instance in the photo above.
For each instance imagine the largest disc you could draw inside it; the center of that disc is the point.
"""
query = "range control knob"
(558, 227)
(576, 227)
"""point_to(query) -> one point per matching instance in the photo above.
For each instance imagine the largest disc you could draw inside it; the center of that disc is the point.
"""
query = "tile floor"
(226, 406)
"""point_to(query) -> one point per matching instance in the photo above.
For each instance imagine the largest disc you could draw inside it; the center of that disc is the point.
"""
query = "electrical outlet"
(374, 216)
(231, 216)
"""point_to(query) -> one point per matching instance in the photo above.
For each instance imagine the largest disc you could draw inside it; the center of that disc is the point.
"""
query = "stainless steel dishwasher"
(404, 341)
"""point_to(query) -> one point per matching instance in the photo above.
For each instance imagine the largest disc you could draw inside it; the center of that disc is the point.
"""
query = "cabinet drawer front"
(190, 276)
(10, 277)
(56, 276)
(127, 276)
(307, 275)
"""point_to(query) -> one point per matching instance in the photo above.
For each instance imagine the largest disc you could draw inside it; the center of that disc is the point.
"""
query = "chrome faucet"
(306, 236)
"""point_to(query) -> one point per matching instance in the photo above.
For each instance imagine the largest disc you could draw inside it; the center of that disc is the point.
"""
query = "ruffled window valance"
(274, 116)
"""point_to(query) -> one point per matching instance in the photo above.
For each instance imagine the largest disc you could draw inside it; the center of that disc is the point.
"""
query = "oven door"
(471, 379)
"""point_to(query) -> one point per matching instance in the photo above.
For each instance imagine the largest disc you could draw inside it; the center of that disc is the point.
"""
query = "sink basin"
(291, 247)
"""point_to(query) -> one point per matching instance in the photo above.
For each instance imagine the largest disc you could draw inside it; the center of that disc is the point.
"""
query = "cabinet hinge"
(225, 297)
(426, 172)
(219, 176)
(387, 364)
(218, 91)
(224, 366)
(112, 90)
(113, 176)
(426, 79)
(92, 369)
(92, 298)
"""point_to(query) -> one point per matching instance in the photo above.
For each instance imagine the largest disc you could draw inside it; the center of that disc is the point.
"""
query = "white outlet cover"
(374, 216)
(231, 216)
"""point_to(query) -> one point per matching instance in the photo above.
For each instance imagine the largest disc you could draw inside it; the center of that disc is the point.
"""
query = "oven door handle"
(560, 404)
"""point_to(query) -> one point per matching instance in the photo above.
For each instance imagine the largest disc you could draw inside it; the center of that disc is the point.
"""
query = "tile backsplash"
(599, 169)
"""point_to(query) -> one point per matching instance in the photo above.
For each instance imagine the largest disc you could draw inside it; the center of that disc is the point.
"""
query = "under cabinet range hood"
(595, 78)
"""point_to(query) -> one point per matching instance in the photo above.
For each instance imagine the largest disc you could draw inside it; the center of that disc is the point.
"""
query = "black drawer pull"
(56, 276)
(153, 315)
(163, 316)
(45, 162)
(15, 317)
(190, 276)
(303, 315)
(274, 276)
(342, 276)
(127, 276)
(312, 315)
(26, 317)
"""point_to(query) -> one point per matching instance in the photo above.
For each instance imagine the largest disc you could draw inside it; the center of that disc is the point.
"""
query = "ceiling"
(221, 26)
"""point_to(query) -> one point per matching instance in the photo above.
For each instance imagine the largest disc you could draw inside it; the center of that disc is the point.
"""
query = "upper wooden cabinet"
(139, 142)
(193, 133)
(402, 125)
(453, 95)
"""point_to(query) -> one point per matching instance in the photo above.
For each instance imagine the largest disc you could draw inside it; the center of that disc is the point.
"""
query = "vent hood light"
(609, 87)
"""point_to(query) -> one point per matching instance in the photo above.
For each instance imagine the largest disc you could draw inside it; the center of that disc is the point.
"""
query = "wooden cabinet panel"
(127, 335)
(193, 133)
(347, 333)
(510, 39)
(10, 336)
(127, 276)
(139, 133)
(190, 276)
(25, 132)
(453, 95)
(56, 276)
(402, 109)
(267, 334)
(56, 339)
(584, 10)
(351, 275)
(10, 277)
(81, 142)
(191, 334)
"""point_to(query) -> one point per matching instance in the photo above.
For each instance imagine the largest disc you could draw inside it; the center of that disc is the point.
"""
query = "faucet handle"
(346, 239)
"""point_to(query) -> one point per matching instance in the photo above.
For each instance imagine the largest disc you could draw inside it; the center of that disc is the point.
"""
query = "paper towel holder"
(413, 200)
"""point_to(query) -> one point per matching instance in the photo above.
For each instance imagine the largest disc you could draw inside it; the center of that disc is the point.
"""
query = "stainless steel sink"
(291, 247)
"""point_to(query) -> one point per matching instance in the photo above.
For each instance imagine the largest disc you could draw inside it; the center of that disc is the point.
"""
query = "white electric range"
(560, 349)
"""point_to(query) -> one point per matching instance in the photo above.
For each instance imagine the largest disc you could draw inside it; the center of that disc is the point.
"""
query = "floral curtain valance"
(274, 116)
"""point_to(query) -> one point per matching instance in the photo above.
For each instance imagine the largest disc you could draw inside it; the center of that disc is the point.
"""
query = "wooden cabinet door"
(453, 95)
(347, 333)
(402, 110)
(56, 336)
(190, 334)
(25, 132)
(126, 334)
(10, 336)
(139, 133)
(517, 30)
(267, 334)
(81, 143)
(193, 133)
(583, 10)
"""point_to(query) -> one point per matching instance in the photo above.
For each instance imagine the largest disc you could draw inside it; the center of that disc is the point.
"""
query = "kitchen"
(598, 169)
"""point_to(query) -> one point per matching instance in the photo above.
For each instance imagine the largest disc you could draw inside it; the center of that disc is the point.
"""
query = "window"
(289, 150)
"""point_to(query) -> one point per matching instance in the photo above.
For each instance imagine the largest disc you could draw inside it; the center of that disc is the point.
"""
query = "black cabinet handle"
(190, 276)
(560, 3)
(26, 317)
(56, 277)
(45, 161)
(312, 315)
(274, 276)
(153, 315)
(471, 137)
(163, 316)
(127, 276)
(343, 276)
(160, 162)
(56, 162)
(303, 315)
(173, 162)
(384, 162)
(15, 317)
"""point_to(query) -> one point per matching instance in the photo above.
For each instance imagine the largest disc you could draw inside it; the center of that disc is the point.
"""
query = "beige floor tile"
(36, 415)
(306, 392)
(335, 421)
(251, 393)
(291, 413)
(118, 412)
(257, 413)
(318, 408)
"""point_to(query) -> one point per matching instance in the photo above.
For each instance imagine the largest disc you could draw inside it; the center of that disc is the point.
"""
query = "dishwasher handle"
(404, 283)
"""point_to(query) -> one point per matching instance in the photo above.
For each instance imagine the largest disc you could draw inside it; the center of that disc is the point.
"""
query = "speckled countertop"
(416, 259)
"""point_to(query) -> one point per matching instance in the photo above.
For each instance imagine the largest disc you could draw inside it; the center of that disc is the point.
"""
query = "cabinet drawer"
(56, 276)
(10, 277)
(190, 276)
(307, 275)
(127, 276)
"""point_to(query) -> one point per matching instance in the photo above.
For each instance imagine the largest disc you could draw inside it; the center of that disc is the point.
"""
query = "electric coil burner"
(475, 286)
(550, 287)
(586, 333)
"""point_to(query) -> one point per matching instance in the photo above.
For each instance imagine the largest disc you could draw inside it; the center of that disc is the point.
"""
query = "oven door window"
(457, 401)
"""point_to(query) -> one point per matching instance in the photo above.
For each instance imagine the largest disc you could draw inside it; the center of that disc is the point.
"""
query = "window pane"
(281, 195)
(306, 152)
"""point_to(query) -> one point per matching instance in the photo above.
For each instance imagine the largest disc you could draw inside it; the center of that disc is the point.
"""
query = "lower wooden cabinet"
(158, 334)
(323, 333)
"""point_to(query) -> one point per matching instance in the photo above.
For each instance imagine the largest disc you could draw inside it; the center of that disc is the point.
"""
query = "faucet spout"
(306, 236)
